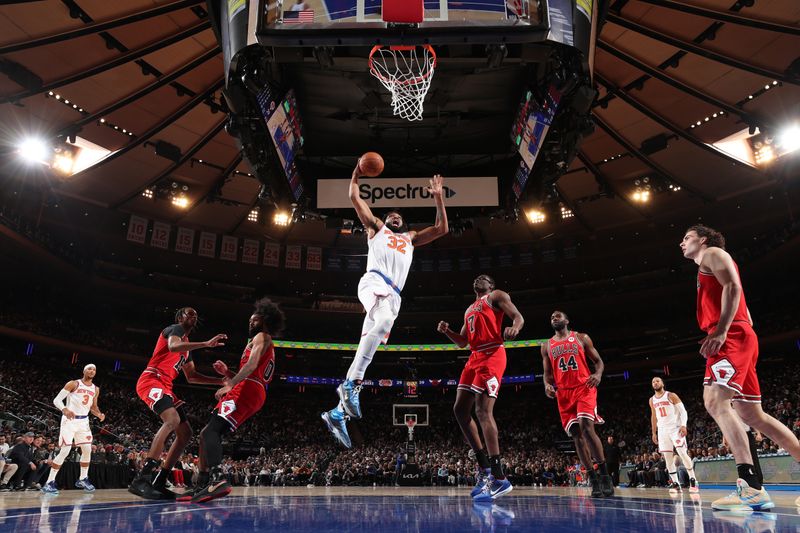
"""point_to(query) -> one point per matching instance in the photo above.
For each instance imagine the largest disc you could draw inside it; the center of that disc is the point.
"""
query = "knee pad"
(63, 453)
(86, 452)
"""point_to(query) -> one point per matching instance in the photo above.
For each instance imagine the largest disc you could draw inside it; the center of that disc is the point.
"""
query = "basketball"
(371, 164)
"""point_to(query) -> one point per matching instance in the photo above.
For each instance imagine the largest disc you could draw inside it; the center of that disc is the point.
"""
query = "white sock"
(53, 474)
(84, 472)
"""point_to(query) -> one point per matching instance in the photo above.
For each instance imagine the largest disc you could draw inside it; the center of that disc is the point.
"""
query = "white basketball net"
(407, 72)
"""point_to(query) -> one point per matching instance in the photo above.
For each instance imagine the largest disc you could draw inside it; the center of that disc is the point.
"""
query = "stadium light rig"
(535, 216)
(281, 218)
(180, 201)
(252, 216)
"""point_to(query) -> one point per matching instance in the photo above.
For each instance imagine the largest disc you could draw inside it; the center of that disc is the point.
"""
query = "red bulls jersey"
(169, 364)
(709, 302)
(484, 325)
(569, 362)
(266, 367)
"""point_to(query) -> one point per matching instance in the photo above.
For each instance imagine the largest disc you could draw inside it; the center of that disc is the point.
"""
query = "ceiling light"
(535, 216)
(252, 216)
(789, 138)
(148, 193)
(102, 121)
(34, 150)
(180, 201)
(281, 218)
(566, 212)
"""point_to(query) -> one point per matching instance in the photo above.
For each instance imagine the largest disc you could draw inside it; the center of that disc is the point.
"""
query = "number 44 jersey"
(569, 362)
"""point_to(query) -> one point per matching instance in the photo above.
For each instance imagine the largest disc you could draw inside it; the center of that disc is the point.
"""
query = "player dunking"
(81, 396)
(731, 352)
(241, 398)
(480, 381)
(391, 246)
(668, 418)
(567, 378)
(170, 356)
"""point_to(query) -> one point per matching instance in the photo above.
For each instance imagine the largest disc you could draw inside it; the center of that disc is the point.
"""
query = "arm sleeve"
(683, 416)
(174, 329)
(58, 401)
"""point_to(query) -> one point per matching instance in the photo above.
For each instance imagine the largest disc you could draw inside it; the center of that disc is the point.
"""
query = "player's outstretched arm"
(364, 213)
(594, 357)
(440, 227)
(58, 401)
(460, 339)
(95, 409)
(193, 376)
(261, 342)
(175, 343)
(549, 389)
(502, 300)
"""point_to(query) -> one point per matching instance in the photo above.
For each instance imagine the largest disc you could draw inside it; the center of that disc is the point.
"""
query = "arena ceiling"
(673, 78)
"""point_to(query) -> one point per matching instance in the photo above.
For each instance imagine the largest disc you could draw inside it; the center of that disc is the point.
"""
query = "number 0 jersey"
(165, 363)
(266, 367)
(390, 254)
(484, 325)
(569, 362)
(666, 414)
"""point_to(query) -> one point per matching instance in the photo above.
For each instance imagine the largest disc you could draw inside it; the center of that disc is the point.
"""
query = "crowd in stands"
(287, 445)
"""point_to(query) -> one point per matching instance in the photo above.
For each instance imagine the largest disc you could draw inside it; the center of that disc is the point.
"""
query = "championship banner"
(229, 248)
(185, 241)
(272, 254)
(314, 258)
(160, 235)
(137, 229)
(250, 252)
(407, 192)
(208, 245)
(293, 255)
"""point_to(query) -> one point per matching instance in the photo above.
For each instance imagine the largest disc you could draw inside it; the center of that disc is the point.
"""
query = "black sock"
(149, 466)
(746, 472)
(496, 466)
(602, 468)
(754, 452)
(483, 459)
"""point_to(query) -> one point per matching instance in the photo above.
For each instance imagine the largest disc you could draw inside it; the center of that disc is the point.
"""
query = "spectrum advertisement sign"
(407, 192)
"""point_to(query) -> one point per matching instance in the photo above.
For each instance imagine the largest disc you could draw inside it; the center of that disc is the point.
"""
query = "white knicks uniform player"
(668, 422)
(388, 262)
(668, 418)
(391, 249)
(80, 401)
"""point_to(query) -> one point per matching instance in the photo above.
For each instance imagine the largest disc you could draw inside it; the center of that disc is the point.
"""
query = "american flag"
(298, 17)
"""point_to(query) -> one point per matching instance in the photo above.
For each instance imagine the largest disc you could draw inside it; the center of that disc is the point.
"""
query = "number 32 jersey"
(165, 363)
(390, 254)
(569, 362)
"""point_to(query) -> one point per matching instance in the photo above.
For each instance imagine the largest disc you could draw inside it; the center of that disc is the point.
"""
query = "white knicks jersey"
(390, 254)
(666, 414)
(81, 399)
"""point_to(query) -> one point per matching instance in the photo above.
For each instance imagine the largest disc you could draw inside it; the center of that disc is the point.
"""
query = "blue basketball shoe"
(348, 394)
(50, 488)
(336, 421)
(84, 484)
(480, 481)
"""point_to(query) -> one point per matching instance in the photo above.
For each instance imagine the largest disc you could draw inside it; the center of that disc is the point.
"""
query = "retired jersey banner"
(250, 252)
(229, 248)
(293, 254)
(407, 192)
(185, 241)
(208, 245)
(160, 235)
(314, 258)
(137, 229)
(272, 254)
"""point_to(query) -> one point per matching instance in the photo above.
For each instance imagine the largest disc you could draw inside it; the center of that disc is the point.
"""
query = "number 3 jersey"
(80, 400)
(569, 362)
(165, 363)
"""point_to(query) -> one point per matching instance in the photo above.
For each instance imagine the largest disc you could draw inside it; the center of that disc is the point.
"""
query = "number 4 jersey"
(569, 362)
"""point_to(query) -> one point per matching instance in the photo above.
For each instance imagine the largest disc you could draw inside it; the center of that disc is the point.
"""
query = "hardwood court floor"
(389, 509)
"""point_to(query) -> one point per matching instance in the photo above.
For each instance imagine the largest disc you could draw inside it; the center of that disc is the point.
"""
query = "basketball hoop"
(406, 72)
(411, 422)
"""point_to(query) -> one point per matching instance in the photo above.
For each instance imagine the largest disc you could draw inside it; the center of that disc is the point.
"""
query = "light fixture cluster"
(642, 191)
(115, 127)
(180, 201)
(67, 102)
(613, 158)
(173, 191)
(252, 216)
(756, 94)
(674, 188)
(709, 118)
(566, 212)
(148, 193)
(281, 218)
(535, 216)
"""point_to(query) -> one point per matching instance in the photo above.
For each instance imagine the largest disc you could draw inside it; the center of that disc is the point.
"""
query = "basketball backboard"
(361, 22)
(402, 411)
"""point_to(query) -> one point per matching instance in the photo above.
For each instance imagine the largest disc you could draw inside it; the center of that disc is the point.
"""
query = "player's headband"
(87, 367)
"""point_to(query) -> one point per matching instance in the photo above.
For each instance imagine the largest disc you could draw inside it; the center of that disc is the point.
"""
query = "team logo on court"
(492, 385)
(155, 394)
(227, 407)
(723, 371)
